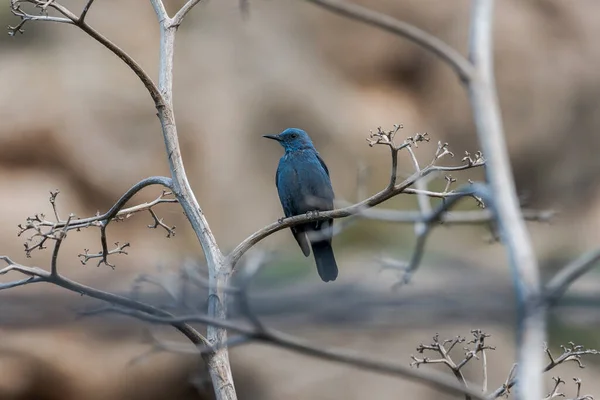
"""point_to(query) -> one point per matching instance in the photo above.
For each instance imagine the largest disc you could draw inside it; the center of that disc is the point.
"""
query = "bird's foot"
(312, 214)
(280, 220)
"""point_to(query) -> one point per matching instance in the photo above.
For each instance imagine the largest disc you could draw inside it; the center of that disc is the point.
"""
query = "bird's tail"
(326, 265)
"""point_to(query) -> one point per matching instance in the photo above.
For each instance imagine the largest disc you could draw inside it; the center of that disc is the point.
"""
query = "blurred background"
(73, 117)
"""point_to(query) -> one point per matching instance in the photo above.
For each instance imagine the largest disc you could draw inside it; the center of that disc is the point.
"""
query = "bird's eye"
(294, 136)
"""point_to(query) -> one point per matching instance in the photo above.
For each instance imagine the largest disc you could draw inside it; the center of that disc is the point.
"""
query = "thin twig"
(61, 235)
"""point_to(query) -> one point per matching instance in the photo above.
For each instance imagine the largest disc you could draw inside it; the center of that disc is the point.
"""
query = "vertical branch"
(486, 111)
(218, 270)
(422, 199)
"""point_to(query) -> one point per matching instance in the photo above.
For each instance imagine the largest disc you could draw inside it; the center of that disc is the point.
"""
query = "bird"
(304, 187)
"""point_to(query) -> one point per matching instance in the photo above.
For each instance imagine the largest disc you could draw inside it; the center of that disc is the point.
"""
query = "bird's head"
(293, 139)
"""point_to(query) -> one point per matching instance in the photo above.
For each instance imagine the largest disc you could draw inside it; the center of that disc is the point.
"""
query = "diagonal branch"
(85, 10)
(187, 7)
(40, 275)
(73, 19)
(428, 223)
(280, 339)
(355, 209)
(561, 282)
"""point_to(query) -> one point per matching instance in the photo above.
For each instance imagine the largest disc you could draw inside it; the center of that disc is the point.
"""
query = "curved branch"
(153, 180)
(354, 209)
(40, 275)
(280, 339)
(453, 58)
(569, 274)
(127, 59)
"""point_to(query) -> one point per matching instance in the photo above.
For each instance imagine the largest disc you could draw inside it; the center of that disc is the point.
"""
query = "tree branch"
(218, 270)
(458, 62)
(484, 102)
(280, 339)
(355, 209)
(558, 285)
(178, 18)
(85, 10)
(39, 275)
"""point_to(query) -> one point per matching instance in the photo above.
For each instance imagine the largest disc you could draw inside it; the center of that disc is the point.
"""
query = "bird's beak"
(274, 137)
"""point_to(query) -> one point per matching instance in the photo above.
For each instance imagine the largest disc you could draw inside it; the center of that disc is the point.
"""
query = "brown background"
(74, 118)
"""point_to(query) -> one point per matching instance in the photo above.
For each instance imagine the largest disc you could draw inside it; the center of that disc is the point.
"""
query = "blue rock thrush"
(304, 186)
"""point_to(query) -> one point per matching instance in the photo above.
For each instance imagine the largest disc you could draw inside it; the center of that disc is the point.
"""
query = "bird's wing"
(323, 164)
(300, 235)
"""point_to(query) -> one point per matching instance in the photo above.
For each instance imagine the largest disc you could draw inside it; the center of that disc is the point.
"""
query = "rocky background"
(73, 117)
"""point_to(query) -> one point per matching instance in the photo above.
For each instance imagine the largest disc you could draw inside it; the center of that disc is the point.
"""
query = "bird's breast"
(303, 184)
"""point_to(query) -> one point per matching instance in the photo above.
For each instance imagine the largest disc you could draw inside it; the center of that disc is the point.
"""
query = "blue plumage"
(304, 186)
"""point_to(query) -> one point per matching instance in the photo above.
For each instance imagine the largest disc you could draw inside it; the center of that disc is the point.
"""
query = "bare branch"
(561, 282)
(15, 8)
(159, 222)
(159, 9)
(274, 337)
(41, 275)
(60, 236)
(57, 231)
(454, 59)
(37, 221)
(379, 138)
(571, 353)
(448, 218)
(21, 282)
(443, 348)
(421, 187)
(85, 10)
(178, 18)
(79, 22)
(103, 255)
(554, 392)
(513, 231)
(579, 396)
(428, 222)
